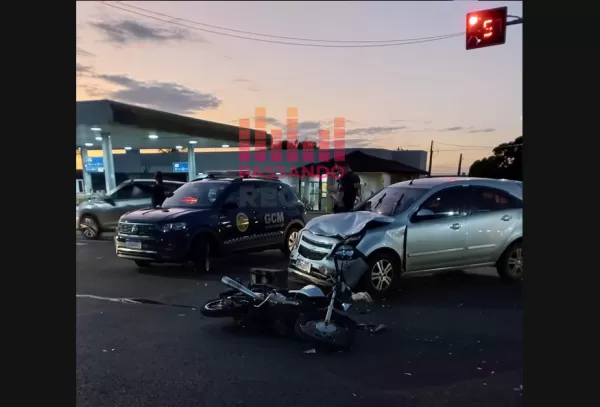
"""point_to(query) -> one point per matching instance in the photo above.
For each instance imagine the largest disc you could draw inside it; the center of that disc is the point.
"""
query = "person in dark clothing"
(348, 189)
(159, 191)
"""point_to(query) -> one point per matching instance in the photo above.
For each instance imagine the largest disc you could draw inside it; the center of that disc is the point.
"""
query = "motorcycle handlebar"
(234, 284)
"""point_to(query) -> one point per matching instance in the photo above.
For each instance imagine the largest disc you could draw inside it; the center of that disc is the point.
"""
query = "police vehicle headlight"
(173, 226)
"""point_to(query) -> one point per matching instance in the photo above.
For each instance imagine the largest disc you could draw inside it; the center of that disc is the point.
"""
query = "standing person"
(158, 190)
(348, 190)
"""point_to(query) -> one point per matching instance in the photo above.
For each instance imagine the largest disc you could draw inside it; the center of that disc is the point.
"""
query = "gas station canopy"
(113, 125)
(137, 127)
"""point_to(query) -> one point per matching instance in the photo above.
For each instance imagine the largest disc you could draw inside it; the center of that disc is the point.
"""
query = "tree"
(506, 162)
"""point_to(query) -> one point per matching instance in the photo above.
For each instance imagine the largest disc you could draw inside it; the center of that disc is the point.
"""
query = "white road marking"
(80, 244)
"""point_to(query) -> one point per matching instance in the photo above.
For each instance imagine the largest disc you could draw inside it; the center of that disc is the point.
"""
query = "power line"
(278, 36)
(509, 145)
(282, 42)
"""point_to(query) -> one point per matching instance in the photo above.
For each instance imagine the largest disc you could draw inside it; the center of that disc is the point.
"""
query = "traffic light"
(486, 28)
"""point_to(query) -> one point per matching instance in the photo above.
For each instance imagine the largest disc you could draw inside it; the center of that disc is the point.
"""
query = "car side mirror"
(230, 206)
(422, 214)
(109, 200)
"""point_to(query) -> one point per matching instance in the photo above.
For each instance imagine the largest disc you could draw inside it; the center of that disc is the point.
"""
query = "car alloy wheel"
(89, 228)
(292, 238)
(381, 275)
(515, 263)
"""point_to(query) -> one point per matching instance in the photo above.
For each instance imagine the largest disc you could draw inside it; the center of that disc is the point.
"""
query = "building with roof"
(117, 141)
(110, 126)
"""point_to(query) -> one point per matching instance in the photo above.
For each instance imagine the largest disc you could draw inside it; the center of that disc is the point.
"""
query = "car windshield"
(392, 200)
(200, 194)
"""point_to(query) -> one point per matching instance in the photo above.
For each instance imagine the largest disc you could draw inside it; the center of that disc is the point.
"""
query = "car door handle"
(506, 218)
(455, 226)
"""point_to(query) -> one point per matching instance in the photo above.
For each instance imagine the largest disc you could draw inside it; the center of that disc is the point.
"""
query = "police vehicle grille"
(317, 244)
(136, 229)
(310, 254)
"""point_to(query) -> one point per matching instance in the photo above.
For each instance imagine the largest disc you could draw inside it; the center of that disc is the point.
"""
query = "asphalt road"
(451, 340)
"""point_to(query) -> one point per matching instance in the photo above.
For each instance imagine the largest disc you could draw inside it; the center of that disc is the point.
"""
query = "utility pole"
(430, 157)
(459, 165)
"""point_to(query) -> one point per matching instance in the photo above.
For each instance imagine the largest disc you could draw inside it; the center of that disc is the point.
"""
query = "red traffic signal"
(486, 28)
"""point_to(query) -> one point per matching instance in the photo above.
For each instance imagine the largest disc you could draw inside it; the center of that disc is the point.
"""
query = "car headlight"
(297, 242)
(173, 226)
(348, 250)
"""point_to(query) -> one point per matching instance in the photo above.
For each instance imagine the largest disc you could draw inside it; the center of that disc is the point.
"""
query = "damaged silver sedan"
(419, 226)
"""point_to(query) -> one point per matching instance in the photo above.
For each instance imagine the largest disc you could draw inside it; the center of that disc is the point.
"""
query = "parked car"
(102, 213)
(211, 217)
(419, 226)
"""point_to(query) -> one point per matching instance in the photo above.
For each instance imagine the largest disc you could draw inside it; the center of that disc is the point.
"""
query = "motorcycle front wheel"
(338, 334)
(222, 307)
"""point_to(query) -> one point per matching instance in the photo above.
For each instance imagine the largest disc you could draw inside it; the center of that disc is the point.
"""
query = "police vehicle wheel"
(290, 240)
(381, 277)
(199, 255)
(89, 228)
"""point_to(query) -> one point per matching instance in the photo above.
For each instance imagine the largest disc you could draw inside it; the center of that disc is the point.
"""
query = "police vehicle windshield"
(393, 200)
(199, 195)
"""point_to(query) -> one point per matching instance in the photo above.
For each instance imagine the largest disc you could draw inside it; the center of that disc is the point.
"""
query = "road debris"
(372, 328)
(310, 351)
(364, 296)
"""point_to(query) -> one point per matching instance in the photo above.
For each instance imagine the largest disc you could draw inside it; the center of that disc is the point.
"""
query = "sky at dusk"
(395, 96)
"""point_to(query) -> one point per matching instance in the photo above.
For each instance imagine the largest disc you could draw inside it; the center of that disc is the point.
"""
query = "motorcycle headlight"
(173, 226)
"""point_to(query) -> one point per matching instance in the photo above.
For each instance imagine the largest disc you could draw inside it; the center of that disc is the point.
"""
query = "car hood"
(343, 225)
(158, 215)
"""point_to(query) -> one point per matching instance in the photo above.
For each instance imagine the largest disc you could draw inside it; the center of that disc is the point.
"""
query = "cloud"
(486, 130)
(242, 80)
(373, 131)
(469, 129)
(126, 32)
(411, 121)
(83, 70)
(310, 125)
(80, 52)
(253, 89)
(357, 142)
(365, 136)
(271, 121)
(92, 91)
(455, 128)
(167, 96)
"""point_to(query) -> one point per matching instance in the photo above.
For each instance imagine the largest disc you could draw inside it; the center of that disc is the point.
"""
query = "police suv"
(212, 217)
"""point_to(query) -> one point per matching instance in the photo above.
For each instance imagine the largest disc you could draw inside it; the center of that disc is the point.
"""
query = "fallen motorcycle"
(314, 316)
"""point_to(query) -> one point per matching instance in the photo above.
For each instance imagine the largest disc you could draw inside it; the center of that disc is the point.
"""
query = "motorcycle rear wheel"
(221, 308)
(337, 335)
